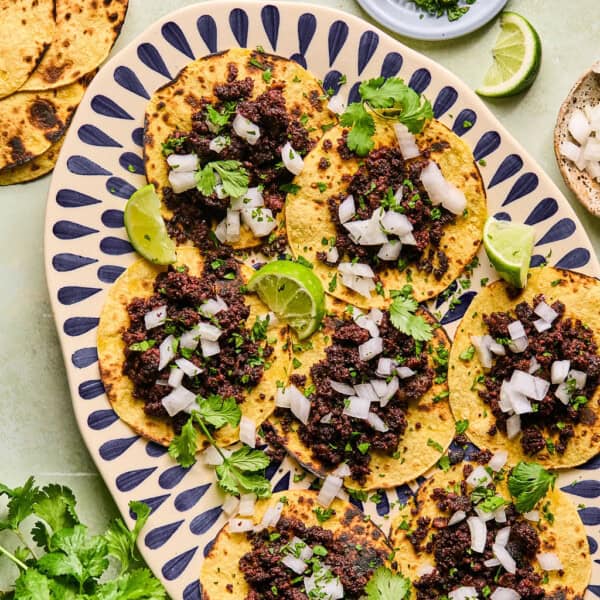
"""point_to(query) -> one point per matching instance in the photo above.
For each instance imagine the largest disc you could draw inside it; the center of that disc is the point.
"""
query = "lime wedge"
(517, 57)
(293, 292)
(146, 229)
(509, 246)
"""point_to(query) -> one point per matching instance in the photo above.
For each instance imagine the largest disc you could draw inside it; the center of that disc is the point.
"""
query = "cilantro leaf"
(403, 318)
(385, 585)
(491, 504)
(206, 180)
(249, 459)
(528, 483)
(136, 585)
(56, 505)
(219, 119)
(121, 541)
(32, 585)
(233, 177)
(183, 446)
(363, 127)
(239, 473)
(20, 504)
(381, 92)
(218, 411)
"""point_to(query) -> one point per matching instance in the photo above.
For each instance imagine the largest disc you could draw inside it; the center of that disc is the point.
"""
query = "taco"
(463, 536)
(85, 32)
(35, 120)
(37, 167)
(298, 551)
(525, 367)
(366, 401)
(223, 140)
(167, 336)
(369, 225)
(26, 30)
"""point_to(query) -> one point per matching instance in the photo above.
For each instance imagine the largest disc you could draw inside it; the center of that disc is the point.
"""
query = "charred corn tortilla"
(39, 166)
(308, 221)
(26, 30)
(565, 538)
(137, 282)
(85, 32)
(581, 297)
(171, 108)
(33, 121)
(220, 576)
(430, 423)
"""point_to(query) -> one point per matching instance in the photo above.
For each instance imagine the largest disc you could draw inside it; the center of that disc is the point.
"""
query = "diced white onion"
(232, 226)
(463, 593)
(502, 593)
(346, 209)
(177, 400)
(376, 316)
(478, 531)
(188, 367)
(246, 129)
(366, 391)
(500, 515)
(218, 144)
(533, 387)
(579, 376)
(332, 589)
(520, 403)
(183, 163)
(545, 312)
(292, 160)
(260, 220)
(231, 503)
(240, 525)
(534, 365)
(390, 250)
(562, 393)
(516, 330)
(326, 419)
(570, 151)
(496, 348)
(209, 348)
(357, 269)
(376, 422)
(513, 426)
(479, 476)
(213, 306)
(392, 387)
(484, 515)
(221, 231)
(167, 352)
(189, 339)
(247, 504)
(366, 233)
(295, 564)
(502, 536)
(406, 141)
(559, 370)
(342, 470)
(271, 517)
(220, 191)
(337, 104)
(155, 317)
(579, 126)
(282, 398)
(532, 515)
(519, 345)
(175, 377)
(491, 563)
(385, 366)
(299, 404)
(212, 457)
(332, 255)
(426, 569)
(361, 285)
(357, 407)
(408, 239)
(342, 388)
(208, 331)
(396, 223)
(506, 560)
(331, 486)
(483, 351)
(405, 372)
(181, 181)
(365, 322)
(253, 198)
(380, 386)
(498, 460)
(370, 349)
(441, 191)
(457, 517)
(248, 431)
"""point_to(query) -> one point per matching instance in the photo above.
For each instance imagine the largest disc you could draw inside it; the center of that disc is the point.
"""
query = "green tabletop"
(38, 434)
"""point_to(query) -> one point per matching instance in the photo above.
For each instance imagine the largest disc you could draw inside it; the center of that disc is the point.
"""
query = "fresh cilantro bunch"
(241, 472)
(68, 562)
(387, 98)
(438, 8)
(233, 177)
(528, 483)
(403, 317)
(385, 585)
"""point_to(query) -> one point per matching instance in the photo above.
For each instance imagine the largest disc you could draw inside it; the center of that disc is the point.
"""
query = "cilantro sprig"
(385, 585)
(241, 472)
(528, 483)
(68, 562)
(403, 318)
(234, 177)
(388, 98)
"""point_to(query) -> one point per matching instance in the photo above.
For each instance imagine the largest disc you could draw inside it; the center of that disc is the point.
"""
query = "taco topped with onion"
(224, 140)
(411, 211)
(168, 338)
(484, 531)
(525, 368)
(290, 547)
(367, 401)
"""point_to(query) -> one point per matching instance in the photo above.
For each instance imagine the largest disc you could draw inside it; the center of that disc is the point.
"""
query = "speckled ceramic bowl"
(585, 91)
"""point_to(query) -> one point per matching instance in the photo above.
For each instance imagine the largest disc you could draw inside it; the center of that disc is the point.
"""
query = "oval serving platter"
(86, 247)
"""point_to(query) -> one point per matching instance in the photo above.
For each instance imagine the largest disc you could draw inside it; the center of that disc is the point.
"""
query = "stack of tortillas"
(49, 52)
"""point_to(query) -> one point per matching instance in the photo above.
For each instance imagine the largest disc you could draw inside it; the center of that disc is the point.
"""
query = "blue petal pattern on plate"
(114, 125)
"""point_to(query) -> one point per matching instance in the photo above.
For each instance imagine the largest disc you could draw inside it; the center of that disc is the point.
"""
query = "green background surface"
(38, 433)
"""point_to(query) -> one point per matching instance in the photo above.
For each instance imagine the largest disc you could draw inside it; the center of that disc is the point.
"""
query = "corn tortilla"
(39, 166)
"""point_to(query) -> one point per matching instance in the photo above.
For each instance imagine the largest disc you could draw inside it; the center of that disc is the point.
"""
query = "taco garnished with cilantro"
(291, 547)
(525, 367)
(382, 203)
(224, 140)
(480, 530)
(189, 338)
(367, 400)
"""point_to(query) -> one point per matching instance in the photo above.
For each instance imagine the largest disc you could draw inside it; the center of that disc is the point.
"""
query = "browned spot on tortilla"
(18, 151)
(113, 17)
(43, 114)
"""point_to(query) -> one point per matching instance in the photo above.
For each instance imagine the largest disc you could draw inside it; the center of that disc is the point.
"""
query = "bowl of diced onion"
(577, 139)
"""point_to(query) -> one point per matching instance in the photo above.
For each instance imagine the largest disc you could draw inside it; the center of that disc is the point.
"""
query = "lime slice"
(293, 292)
(517, 57)
(509, 246)
(146, 229)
